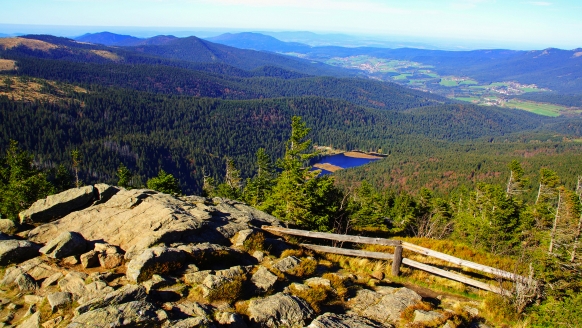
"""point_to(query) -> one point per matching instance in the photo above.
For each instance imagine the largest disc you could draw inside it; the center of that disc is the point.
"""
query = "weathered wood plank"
(411, 263)
(333, 236)
(454, 276)
(465, 263)
(349, 252)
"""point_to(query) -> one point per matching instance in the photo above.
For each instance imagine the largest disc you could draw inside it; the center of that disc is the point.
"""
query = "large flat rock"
(56, 206)
(138, 219)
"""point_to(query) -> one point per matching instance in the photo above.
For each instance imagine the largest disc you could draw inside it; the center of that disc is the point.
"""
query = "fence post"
(397, 260)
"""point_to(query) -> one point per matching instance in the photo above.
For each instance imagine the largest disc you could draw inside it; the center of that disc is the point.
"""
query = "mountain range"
(188, 103)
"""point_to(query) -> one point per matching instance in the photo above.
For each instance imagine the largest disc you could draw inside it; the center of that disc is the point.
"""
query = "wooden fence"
(397, 258)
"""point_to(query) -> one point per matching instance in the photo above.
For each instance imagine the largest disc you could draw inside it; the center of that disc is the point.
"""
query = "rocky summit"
(104, 256)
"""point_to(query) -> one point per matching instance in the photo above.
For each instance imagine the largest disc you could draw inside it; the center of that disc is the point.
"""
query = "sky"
(528, 24)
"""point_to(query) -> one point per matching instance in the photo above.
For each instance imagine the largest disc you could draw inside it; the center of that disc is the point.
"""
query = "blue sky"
(551, 23)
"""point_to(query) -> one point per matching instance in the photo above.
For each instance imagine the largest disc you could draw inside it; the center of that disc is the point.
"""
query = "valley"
(425, 78)
(475, 154)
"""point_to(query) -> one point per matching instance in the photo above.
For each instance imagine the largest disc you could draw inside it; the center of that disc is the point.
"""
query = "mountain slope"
(71, 62)
(186, 134)
(193, 49)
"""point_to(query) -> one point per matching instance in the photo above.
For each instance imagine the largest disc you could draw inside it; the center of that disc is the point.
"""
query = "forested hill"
(64, 61)
(132, 105)
(183, 135)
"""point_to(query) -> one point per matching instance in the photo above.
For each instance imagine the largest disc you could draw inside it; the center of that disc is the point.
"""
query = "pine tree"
(21, 183)
(165, 183)
(258, 188)
(124, 175)
(231, 187)
(516, 182)
(299, 196)
(63, 180)
(77, 160)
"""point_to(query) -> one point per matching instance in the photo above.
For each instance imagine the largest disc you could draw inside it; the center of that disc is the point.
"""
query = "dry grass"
(305, 268)
(242, 308)
(229, 292)
(30, 90)
(299, 252)
(7, 65)
(107, 55)
(9, 43)
(498, 309)
(316, 296)
(339, 286)
(255, 242)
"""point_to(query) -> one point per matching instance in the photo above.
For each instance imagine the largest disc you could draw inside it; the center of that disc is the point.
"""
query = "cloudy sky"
(551, 23)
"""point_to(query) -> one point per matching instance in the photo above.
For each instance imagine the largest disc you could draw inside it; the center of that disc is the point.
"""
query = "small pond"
(343, 161)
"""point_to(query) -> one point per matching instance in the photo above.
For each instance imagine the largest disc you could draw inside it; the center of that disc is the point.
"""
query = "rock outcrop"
(332, 320)
(131, 314)
(280, 310)
(156, 260)
(139, 258)
(135, 220)
(16, 251)
(384, 306)
(56, 206)
(64, 245)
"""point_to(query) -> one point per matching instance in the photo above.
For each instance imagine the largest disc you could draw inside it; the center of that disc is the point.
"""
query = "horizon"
(354, 40)
(452, 24)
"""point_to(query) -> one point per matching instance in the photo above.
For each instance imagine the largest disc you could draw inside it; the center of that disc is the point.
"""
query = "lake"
(332, 163)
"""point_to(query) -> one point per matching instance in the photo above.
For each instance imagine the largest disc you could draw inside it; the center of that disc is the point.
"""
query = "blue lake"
(343, 161)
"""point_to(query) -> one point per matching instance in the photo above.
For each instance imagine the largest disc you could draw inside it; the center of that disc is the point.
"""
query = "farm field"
(424, 77)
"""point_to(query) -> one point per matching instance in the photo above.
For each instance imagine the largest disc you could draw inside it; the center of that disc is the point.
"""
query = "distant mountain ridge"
(258, 41)
(556, 69)
(112, 39)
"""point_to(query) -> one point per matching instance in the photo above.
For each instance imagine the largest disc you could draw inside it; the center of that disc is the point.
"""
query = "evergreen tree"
(165, 183)
(366, 206)
(516, 182)
(258, 188)
(124, 175)
(489, 219)
(209, 187)
(76, 157)
(231, 187)
(299, 196)
(21, 182)
(63, 180)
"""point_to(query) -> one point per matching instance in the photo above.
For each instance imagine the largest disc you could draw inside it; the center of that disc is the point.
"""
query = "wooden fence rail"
(409, 262)
(397, 259)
